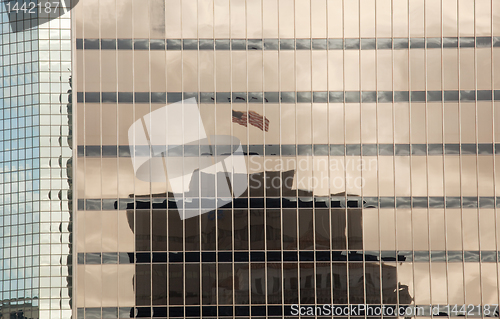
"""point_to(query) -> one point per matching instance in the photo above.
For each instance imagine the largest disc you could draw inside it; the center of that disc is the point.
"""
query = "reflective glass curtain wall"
(20, 170)
(36, 68)
(376, 181)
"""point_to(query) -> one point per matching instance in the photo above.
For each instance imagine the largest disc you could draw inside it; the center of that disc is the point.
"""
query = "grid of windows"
(55, 165)
(382, 115)
(20, 171)
(34, 215)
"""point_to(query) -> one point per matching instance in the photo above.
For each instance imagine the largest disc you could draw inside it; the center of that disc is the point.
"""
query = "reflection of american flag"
(253, 118)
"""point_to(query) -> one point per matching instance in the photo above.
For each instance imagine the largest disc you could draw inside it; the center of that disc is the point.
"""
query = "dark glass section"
(384, 43)
(372, 283)
(157, 44)
(450, 42)
(351, 44)
(319, 44)
(141, 44)
(222, 44)
(356, 283)
(368, 44)
(241, 291)
(338, 224)
(206, 44)
(290, 283)
(192, 284)
(287, 44)
(400, 43)
(238, 44)
(209, 284)
(434, 43)
(224, 230)
(176, 284)
(143, 282)
(159, 228)
(335, 44)
(271, 44)
(257, 239)
(124, 44)
(175, 231)
(417, 43)
(192, 233)
(303, 44)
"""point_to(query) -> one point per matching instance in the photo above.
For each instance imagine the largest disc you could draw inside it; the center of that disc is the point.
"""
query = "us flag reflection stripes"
(253, 118)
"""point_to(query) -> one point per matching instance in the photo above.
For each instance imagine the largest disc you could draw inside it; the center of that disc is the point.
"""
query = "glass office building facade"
(369, 133)
(35, 276)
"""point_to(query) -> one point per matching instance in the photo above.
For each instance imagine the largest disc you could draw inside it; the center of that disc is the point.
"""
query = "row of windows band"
(288, 44)
(273, 311)
(292, 97)
(434, 149)
(334, 202)
(97, 258)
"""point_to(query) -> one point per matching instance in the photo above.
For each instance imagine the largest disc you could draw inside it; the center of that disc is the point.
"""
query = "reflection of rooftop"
(279, 282)
(20, 308)
(259, 185)
(363, 279)
(239, 227)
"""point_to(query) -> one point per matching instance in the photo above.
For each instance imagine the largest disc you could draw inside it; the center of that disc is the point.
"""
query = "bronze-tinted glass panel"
(339, 239)
(258, 283)
(323, 283)
(289, 229)
(224, 229)
(429, 131)
(307, 283)
(306, 233)
(192, 284)
(274, 284)
(208, 231)
(339, 283)
(142, 230)
(389, 285)
(208, 284)
(257, 228)
(159, 283)
(159, 227)
(225, 286)
(322, 229)
(356, 283)
(290, 283)
(256, 185)
(241, 229)
(273, 229)
(241, 278)
(143, 284)
(175, 231)
(372, 283)
(192, 233)
(355, 229)
(176, 284)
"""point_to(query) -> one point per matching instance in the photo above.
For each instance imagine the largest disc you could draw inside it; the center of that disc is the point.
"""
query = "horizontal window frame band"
(333, 202)
(288, 43)
(293, 150)
(293, 97)
(271, 256)
(274, 310)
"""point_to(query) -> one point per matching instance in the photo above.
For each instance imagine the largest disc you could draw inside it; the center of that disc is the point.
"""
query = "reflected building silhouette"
(19, 309)
(404, 85)
(333, 236)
